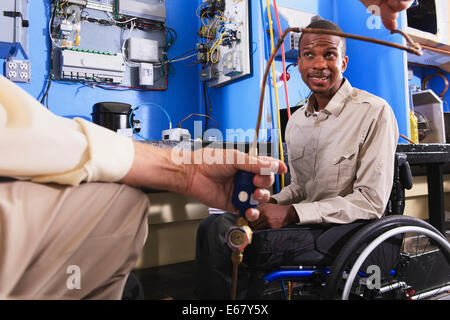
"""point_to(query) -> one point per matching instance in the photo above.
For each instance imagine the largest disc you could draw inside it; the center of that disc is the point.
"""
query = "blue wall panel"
(180, 99)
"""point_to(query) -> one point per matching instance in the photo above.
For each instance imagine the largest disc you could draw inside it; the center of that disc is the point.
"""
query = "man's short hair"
(326, 25)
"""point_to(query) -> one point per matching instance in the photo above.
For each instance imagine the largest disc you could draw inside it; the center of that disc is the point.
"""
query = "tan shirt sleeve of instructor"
(373, 184)
(38, 145)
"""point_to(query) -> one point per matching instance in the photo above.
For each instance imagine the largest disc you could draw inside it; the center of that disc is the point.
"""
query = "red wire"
(283, 59)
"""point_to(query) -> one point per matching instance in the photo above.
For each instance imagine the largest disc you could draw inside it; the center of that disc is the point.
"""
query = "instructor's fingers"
(259, 165)
(252, 214)
(399, 5)
(264, 181)
(261, 195)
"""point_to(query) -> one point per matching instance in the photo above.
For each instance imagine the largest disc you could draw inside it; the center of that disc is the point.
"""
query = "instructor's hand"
(389, 10)
(213, 184)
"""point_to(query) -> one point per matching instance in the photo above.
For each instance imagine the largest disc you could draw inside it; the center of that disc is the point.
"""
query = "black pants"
(293, 245)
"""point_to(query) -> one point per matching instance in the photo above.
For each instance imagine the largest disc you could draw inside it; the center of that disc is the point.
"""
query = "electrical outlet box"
(18, 70)
(176, 134)
(142, 50)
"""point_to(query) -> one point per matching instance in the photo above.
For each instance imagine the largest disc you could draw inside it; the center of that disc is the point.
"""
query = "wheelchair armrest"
(406, 178)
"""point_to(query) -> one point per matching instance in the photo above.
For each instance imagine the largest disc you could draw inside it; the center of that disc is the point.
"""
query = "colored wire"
(275, 88)
(304, 100)
(158, 106)
(290, 286)
(196, 114)
(203, 5)
(146, 104)
(283, 58)
(284, 290)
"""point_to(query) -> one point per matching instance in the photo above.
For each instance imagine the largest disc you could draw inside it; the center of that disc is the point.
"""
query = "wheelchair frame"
(366, 240)
(370, 237)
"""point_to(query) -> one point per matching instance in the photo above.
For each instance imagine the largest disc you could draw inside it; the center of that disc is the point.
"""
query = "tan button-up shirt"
(38, 145)
(341, 159)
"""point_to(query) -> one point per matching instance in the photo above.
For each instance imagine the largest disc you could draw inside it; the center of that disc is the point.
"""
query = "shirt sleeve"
(37, 145)
(292, 193)
(374, 179)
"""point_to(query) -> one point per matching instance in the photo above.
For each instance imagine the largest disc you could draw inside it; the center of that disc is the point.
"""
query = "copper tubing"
(413, 47)
(406, 138)
(438, 50)
(437, 74)
(236, 258)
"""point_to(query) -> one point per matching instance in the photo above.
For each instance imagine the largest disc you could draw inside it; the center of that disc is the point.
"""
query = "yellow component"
(77, 39)
(207, 32)
(414, 127)
(275, 88)
(304, 100)
(215, 48)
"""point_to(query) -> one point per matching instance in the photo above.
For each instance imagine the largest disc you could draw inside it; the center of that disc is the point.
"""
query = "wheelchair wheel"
(396, 257)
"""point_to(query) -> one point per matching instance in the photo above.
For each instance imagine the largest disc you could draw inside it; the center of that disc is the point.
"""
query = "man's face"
(321, 63)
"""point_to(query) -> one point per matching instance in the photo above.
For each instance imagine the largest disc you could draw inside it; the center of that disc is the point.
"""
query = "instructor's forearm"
(154, 168)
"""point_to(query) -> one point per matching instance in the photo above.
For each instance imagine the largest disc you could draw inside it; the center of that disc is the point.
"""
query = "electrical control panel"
(14, 26)
(89, 65)
(224, 47)
(110, 42)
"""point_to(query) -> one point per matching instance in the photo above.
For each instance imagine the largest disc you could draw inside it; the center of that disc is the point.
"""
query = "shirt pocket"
(296, 161)
(342, 169)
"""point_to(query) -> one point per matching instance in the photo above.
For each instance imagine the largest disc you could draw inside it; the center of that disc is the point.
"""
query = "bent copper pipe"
(413, 47)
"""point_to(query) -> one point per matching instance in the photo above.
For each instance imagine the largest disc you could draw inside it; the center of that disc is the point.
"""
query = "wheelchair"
(394, 257)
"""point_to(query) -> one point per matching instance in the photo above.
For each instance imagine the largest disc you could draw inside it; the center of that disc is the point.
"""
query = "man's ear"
(344, 63)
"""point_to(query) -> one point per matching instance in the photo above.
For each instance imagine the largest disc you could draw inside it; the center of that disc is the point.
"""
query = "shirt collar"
(336, 103)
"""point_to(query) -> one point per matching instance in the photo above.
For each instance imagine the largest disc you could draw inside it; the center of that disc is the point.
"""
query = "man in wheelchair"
(341, 148)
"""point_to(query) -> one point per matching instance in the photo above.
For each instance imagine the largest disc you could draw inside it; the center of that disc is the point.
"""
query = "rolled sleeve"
(111, 155)
(43, 147)
(308, 213)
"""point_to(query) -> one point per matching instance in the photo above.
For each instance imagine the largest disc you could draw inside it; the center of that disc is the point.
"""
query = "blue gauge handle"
(243, 192)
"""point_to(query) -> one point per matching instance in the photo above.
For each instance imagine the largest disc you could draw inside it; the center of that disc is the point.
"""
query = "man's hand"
(274, 216)
(213, 184)
(389, 10)
(205, 175)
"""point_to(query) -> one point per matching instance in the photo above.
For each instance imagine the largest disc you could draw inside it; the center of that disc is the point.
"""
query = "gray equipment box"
(146, 9)
(14, 28)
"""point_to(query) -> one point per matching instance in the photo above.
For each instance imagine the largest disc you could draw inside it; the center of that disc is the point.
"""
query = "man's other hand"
(274, 216)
